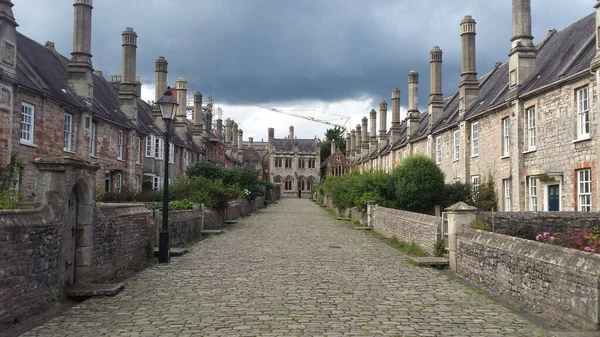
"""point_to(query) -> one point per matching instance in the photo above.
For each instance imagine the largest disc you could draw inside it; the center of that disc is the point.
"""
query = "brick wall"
(123, 238)
(563, 282)
(29, 253)
(407, 226)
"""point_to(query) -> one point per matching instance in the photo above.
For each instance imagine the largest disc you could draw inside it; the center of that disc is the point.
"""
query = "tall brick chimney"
(235, 138)
(80, 67)
(333, 147)
(395, 132)
(436, 100)
(228, 126)
(220, 128)
(413, 115)
(181, 118)
(358, 149)
(348, 144)
(240, 140)
(468, 89)
(365, 137)
(161, 68)
(382, 123)
(8, 34)
(522, 62)
(271, 135)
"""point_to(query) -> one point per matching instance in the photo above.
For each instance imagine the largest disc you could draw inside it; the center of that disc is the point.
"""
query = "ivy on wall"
(10, 187)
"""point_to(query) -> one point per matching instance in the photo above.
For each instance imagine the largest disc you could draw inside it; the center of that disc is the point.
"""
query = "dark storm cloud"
(283, 51)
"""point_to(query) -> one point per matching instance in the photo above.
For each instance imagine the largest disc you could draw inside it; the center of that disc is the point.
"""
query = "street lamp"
(168, 105)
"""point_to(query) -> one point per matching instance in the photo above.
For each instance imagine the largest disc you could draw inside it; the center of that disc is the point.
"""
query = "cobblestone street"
(290, 270)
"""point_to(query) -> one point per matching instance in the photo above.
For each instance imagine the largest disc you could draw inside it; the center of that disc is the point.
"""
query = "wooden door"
(70, 232)
(554, 198)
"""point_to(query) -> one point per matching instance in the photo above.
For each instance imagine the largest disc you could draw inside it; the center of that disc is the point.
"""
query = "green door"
(553, 198)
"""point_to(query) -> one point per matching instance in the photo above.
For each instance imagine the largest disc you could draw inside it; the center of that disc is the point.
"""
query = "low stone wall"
(184, 227)
(553, 222)
(124, 236)
(242, 207)
(563, 282)
(29, 253)
(421, 229)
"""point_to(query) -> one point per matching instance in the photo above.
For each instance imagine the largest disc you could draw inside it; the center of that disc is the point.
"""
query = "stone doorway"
(70, 239)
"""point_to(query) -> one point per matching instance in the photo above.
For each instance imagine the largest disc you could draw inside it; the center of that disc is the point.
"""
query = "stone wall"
(124, 236)
(563, 282)
(553, 222)
(408, 227)
(29, 255)
(184, 227)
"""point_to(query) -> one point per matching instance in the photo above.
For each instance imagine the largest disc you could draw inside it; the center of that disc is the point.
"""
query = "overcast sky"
(336, 56)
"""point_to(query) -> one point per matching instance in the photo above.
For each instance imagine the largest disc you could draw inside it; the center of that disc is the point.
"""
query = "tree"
(335, 134)
(419, 184)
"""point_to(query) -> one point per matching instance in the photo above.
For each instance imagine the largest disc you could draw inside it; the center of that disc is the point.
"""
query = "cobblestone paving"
(290, 270)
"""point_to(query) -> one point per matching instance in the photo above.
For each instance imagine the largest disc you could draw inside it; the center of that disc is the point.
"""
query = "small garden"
(205, 183)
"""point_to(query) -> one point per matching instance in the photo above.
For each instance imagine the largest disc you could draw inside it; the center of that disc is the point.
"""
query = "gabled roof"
(287, 145)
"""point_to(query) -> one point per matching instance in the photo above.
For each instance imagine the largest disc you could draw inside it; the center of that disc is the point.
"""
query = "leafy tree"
(419, 184)
(335, 134)
(456, 192)
(485, 197)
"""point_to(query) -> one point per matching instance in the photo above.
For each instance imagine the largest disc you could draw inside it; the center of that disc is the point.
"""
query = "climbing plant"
(10, 188)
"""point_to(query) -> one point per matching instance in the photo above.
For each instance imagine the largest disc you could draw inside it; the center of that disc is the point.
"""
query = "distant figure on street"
(299, 193)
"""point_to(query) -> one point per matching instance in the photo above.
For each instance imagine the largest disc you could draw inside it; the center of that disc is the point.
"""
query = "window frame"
(93, 139)
(438, 149)
(475, 139)
(118, 182)
(31, 131)
(506, 190)
(533, 194)
(136, 183)
(171, 153)
(531, 118)
(120, 141)
(138, 150)
(475, 182)
(583, 113)
(505, 137)
(68, 133)
(456, 137)
(150, 143)
(584, 199)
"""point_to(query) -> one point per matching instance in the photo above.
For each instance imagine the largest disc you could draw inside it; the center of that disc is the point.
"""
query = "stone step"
(173, 251)
(323, 206)
(212, 231)
(363, 228)
(344, 219)
(230, 222)
(431, 261)
(89, 290)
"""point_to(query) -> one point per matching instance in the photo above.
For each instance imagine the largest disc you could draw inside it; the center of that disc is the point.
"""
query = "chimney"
(127, 94)
(251, 141)
(596, 60)
(352, 143)
(219, 128)
(271, 135)
(395, 134)
(468, 89)
(365, 138)
(197, 116)
(333, 147)
(138, 86)
(240, 140)
(348, 144)
(80, 67)
(522, 62)
(208, 123)
(436, 100)
(8, 34)
(291, 136)
(382, 123)
(358, 143)
(228, 126)
(413, 115)
(373, 132)
(161, 77)
(181, 118)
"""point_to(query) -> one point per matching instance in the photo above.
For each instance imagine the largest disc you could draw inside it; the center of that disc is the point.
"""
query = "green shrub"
(178, 205)
(525, 231)
(485, 198)
(439, 249)
(207, 170)
(457, 192)
(419, 184)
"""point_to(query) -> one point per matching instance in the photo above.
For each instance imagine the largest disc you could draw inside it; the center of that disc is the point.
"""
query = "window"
(120, 146)
(186, 157)
(531, 129)
(438, 150)
(584, 190)
(288, 184)
(136, 184)
(150, 144)
(583, 113)
(302, 163)
(118, 182)
(138, 149)
(68, 132)
(309, 184)
(456, 145)
(533, 194)
(447, 145)
(475, 185)
(311, 163)
(93, 140)
(159, 148)
(157, 183)
(288, 162)
(278, 162)
(506, 191)
(27, 123)
(475, 139)
(505, 137)
(172, 153)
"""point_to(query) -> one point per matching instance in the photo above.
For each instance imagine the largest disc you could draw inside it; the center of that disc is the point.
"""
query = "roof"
(287, 145)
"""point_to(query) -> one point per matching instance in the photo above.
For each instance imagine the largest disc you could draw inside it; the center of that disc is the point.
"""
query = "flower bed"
(586, 239)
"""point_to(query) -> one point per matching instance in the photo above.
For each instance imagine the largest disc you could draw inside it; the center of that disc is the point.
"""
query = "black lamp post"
(168, 105)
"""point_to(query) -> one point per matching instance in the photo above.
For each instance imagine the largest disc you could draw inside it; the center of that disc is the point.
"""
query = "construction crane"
(342, 127)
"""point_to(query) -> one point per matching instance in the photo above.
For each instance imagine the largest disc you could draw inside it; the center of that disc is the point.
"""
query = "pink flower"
(587, 249)
(546, 234)
(538, 237)
(552, 238)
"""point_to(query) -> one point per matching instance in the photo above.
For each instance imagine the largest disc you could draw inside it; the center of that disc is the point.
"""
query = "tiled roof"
(304, 145)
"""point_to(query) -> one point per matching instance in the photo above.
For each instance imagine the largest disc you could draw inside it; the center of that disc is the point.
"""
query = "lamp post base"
(164, 255)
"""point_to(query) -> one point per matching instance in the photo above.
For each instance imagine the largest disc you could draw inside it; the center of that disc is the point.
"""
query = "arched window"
(302, 183)
(309, 183)
(277, 180)
(288, 183)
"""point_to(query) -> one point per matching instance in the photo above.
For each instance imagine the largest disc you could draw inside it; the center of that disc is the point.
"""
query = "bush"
(179, 205)
(457, 192)
(485, 198)
(439, 249)
(481, 225)
(241, 178)
(419, 184)
(356, 189)
(526, 231)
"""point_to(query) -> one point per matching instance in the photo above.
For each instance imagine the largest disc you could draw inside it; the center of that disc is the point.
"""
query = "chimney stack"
(228, 126)
(8, 34)
(358, 139)
(291, 135)
(596, 60)
(80, 67)
(138, 86)
(373, 132)
(161, 77)
(240, 140)
(395, 134)
(522, 63)
(382, 124)
(333, 147)
(469, 85)
(436, 100)
(365, 137)
(271, 135)
(413, 115)
(220, 128)
(353, 143)
(348, 144)
(235, 138)
(127, 90)
(197, 116)
(181, 118)
(251, 141)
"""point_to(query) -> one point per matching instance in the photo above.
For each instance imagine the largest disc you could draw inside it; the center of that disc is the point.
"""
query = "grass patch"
(410, 249)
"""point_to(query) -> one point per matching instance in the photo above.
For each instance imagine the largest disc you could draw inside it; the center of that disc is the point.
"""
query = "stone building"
(336, 164)
(294, 163)
(530, 123)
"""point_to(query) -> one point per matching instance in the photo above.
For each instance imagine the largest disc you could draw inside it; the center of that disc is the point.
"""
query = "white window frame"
(136, 184)
(507, 194)
(93, 139)
(186, 157)
(475, 139)
(138, 150)
(27, 123)
(150, 143)
(505, 137)
(157, 183)
(531, 120)
(533, 194)
(447, 144)
(456, 136)
(159, 149)
(171, 153)
(438, 149)
(120, 145)
(583, 113)
(68, 132)
(475, 181)
(584, 190)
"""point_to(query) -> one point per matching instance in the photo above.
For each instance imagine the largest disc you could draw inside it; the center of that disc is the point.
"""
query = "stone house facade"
(530, 123)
